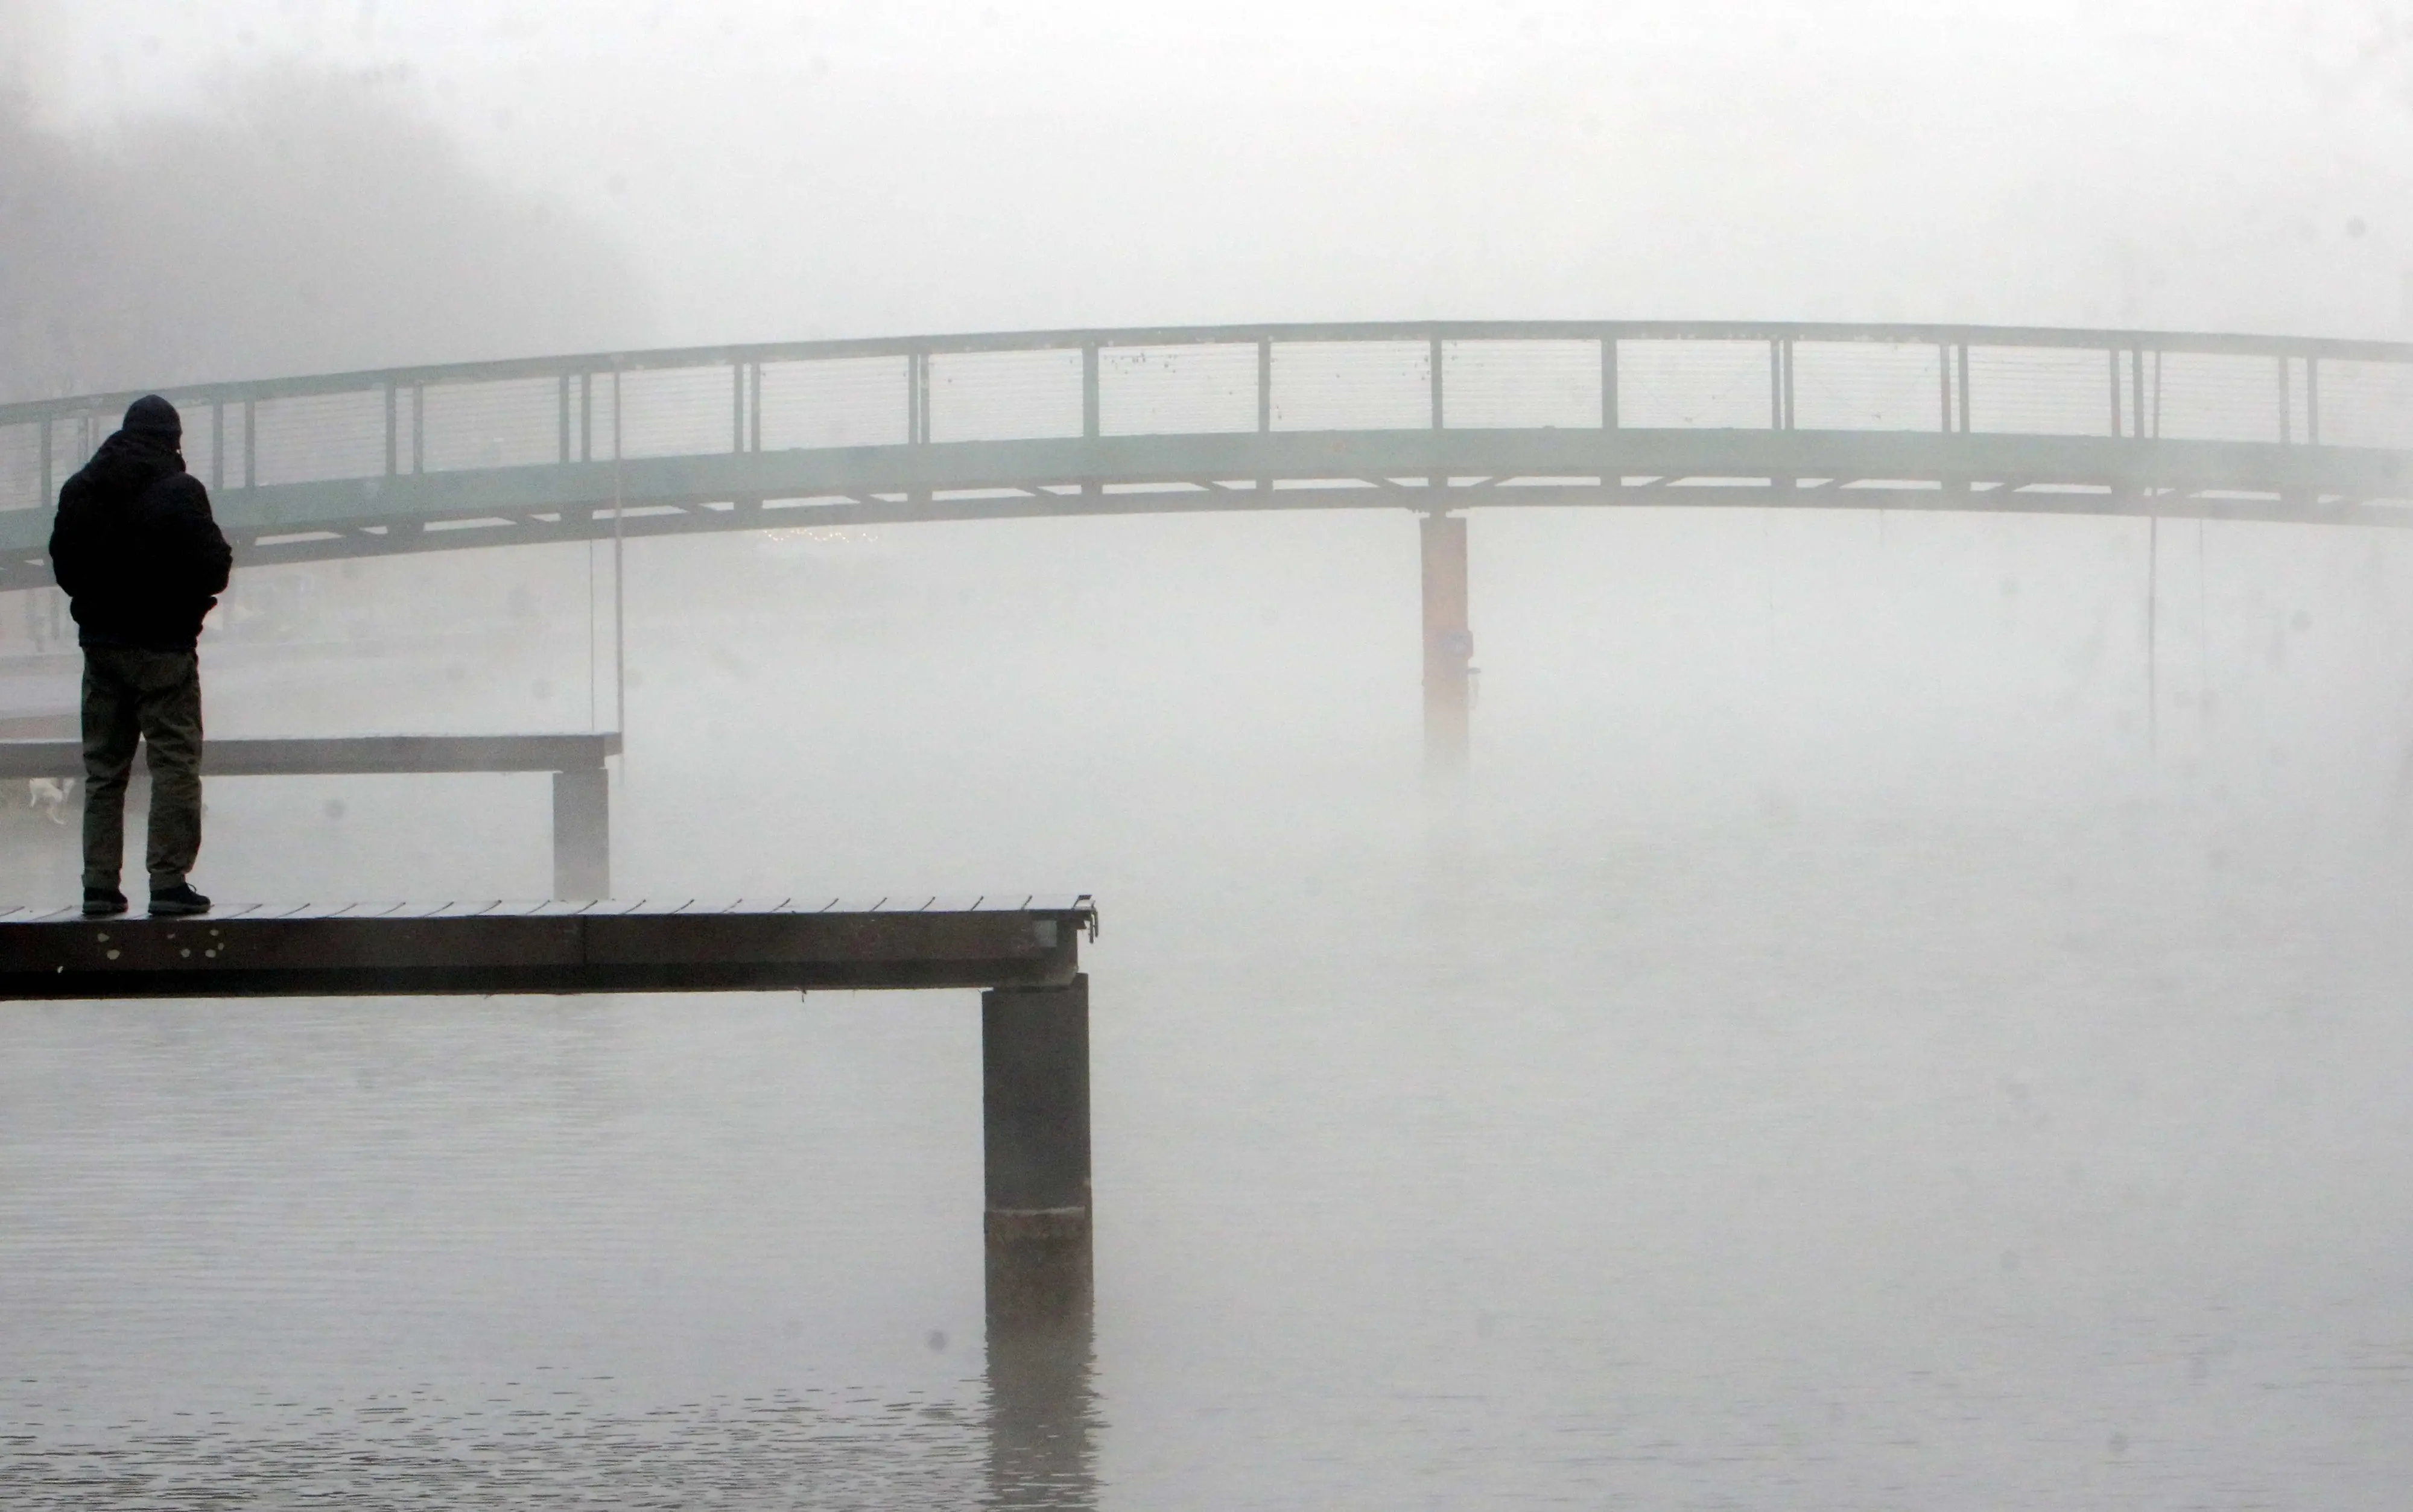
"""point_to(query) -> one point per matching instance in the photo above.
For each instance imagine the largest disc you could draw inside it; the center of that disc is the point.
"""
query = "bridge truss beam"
(1242, 418)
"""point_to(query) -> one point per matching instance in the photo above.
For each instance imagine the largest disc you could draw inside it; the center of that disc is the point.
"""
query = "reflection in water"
(1042, 1419)
(554, 1441)
(566, 1444)
(1042, 1412)
(560, 1443)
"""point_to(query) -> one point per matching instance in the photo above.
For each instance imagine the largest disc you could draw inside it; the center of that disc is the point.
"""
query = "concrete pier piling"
(1035, 1121)
(1035, 1118)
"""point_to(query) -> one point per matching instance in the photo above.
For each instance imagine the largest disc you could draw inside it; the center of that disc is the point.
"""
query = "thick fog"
(1905, 1009)
(296, 222)
(799, 172)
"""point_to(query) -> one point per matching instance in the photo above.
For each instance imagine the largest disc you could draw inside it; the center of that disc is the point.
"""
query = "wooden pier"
(582, 793)
(1024, 950)
(417, 949)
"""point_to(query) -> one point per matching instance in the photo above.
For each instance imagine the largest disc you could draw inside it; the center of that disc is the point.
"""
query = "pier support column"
(581, 833)
(1449, 645)
(1035, 1122)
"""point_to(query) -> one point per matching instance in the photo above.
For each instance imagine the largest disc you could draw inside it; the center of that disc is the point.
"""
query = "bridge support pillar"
(1449, 645)
(581, 833)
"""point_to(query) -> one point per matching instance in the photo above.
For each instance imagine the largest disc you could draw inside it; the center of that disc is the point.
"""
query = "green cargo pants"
(153, 696)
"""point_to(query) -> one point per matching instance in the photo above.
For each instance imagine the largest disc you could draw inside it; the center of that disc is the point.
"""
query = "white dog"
(50, 794)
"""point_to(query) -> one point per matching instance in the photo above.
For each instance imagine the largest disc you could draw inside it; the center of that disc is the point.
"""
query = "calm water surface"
(2047, 1154)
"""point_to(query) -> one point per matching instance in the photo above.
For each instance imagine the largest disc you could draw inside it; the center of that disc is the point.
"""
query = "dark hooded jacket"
(135, 545)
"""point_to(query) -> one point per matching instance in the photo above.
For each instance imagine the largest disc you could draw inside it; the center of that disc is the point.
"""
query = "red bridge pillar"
(1449, 645)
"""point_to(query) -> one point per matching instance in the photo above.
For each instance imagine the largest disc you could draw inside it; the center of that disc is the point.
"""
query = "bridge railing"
(1455, 375)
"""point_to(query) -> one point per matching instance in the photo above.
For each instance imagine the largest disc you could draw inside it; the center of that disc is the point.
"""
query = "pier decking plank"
(345, 754)
(492, 946)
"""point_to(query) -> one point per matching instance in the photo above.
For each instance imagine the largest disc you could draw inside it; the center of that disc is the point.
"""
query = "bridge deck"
(1421, 416)
(401, 949)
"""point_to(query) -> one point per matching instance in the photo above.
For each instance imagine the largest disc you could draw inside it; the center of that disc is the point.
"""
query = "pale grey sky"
(785, 171)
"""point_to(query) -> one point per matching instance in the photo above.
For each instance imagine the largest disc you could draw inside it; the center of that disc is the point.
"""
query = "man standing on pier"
(141, 562)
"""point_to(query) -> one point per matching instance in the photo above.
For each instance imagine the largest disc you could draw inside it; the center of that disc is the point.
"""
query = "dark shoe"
(180, 899)
(99, 903)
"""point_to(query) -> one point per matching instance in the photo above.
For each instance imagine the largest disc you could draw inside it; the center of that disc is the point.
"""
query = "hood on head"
(152, 416)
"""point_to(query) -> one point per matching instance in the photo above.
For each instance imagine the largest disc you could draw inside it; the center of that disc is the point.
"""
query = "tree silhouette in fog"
(305, 224)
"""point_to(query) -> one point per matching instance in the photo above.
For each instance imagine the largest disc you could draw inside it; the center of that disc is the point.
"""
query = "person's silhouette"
(143, 563)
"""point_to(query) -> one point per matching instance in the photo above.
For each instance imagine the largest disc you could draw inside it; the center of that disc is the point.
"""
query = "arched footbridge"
(1437, 419)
